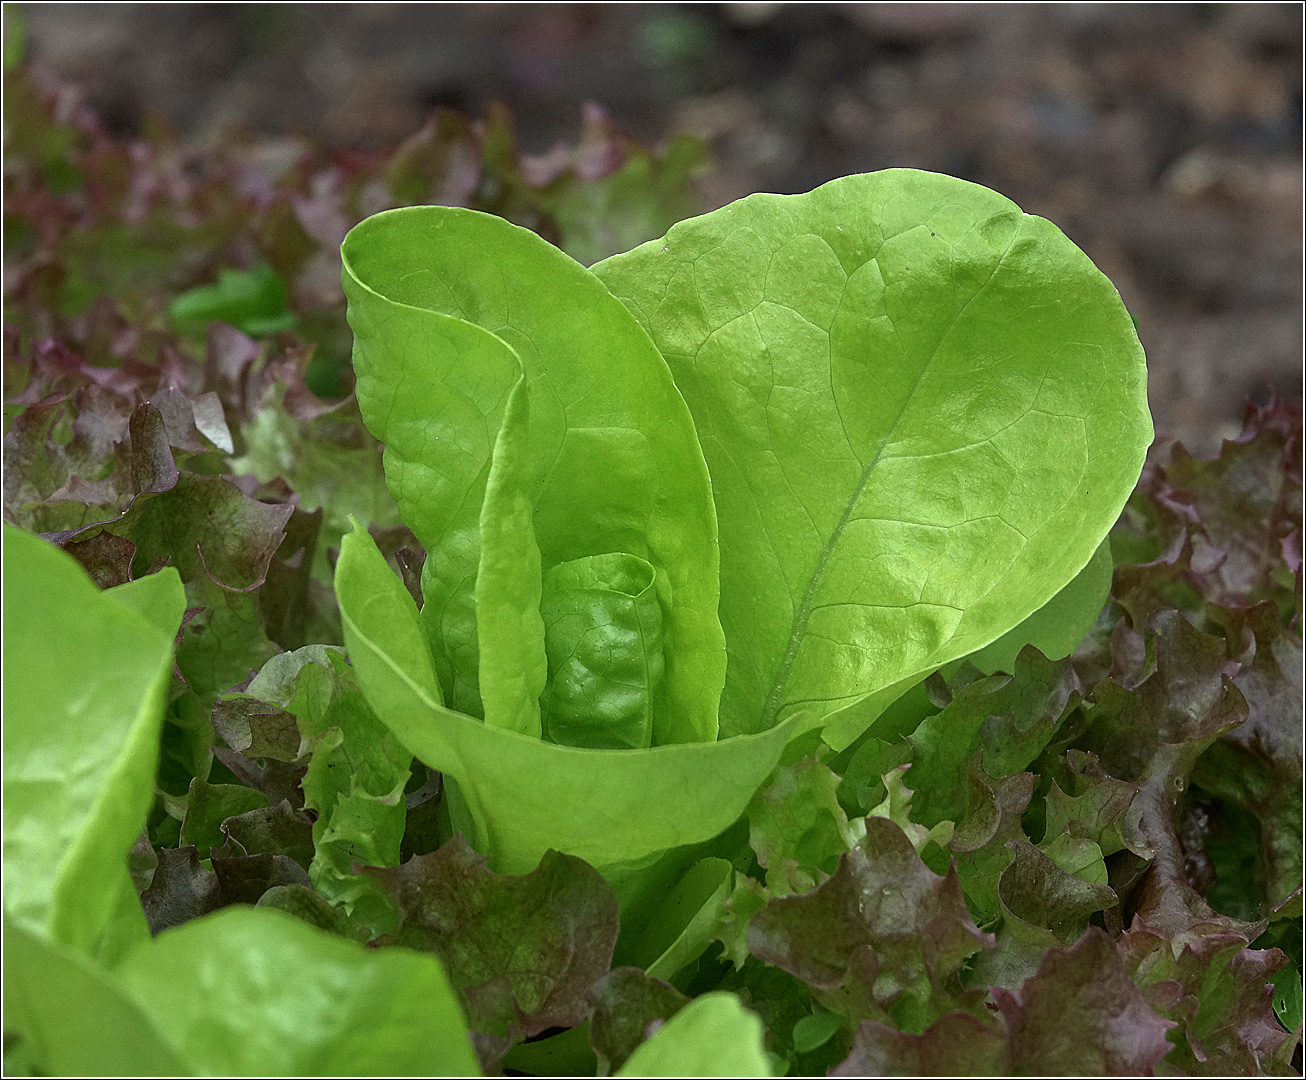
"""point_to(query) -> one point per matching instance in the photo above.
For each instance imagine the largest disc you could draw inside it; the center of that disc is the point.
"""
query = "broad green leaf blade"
(256, 992)
(922, 411)
(714, 1035)
(616, 464)
(509, 629)
(85, 685)
(80, 1021)
(526, 796)
(603, 636)
(160, 598)
(1057, 628)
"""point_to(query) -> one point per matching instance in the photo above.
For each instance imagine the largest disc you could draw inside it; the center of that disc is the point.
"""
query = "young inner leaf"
(603, 637)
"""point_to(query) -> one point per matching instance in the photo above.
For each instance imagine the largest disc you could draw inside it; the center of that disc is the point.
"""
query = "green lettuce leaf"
(922, 411)
(254, 300)
(687, 920)
(255, 992)
(510, 633)
(714, 1035)
(208, 806)
(306, 707)
(1009, 718)
(77, 1019)
(798, 829)
(86, 678)
(603, 637)
(1057, 628)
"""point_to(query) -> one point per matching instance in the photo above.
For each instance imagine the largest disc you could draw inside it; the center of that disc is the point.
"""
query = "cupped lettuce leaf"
(448, 306)
(524, 795)
(436, 398)
(921, 409)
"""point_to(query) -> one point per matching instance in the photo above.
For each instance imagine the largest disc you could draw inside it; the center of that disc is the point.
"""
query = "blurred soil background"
(1164, 139)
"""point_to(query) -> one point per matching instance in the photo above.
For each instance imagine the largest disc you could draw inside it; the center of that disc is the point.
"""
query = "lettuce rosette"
(749, 481)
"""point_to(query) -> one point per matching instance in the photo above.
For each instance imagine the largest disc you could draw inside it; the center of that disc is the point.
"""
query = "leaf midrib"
(775, 699)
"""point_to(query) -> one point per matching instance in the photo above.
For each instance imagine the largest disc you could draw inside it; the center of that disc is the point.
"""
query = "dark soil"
(1166, 140)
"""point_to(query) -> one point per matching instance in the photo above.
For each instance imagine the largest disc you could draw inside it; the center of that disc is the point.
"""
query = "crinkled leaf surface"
(272, 830)
(1241, 509)
(1258, 765)
(979, 843)
(527, 796)
(882, 938)
(922, 411)
(313, 908)
(524, 950)
(1216, 989)
(208, 806)
(798, 829)
(245, 878)
(1081, 1014)
(1010, 718)
(354, 781)
(448, 306)
(956, 1044)
(604, 643)
(180, 890)
(1036, 890)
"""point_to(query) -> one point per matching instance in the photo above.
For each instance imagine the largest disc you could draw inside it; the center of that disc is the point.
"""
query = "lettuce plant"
(749, 481)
